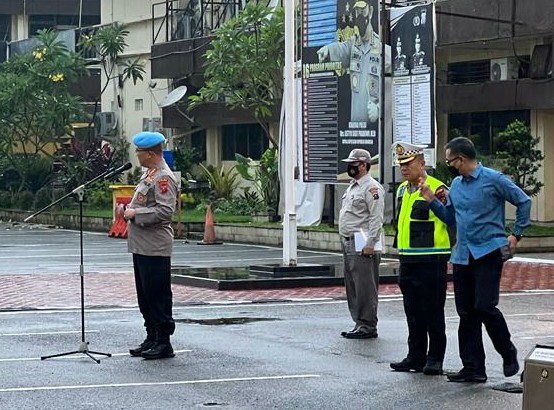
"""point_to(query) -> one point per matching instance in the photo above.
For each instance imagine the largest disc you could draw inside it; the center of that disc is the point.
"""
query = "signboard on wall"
(413, 71)
(341, 81)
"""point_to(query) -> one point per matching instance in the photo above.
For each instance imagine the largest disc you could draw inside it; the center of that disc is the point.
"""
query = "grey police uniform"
(362, 210)
(150, 233)
(150, 241)
(364, 60)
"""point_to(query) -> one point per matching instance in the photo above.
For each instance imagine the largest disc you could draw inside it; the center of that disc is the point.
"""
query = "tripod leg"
(59, 355)
(92, 357)
(100, 353)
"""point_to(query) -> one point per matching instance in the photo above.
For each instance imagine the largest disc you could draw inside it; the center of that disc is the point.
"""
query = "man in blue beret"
(150, 240)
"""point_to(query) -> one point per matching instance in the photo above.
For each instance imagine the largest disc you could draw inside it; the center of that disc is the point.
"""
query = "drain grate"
(226, 320)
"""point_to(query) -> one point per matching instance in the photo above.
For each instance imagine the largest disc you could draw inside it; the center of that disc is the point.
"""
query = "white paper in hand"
(360, 241)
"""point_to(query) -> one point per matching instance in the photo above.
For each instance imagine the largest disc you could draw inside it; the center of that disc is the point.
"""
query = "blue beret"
(148, 139)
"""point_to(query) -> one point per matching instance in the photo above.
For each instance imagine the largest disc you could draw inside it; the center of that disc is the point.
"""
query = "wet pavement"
(255, 349)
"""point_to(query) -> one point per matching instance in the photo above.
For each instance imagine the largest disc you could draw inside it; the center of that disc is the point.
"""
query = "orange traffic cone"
(119, 226)
(209, 230)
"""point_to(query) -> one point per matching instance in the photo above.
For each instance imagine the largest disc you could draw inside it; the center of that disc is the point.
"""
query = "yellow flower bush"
(40, 53)
(56, 77)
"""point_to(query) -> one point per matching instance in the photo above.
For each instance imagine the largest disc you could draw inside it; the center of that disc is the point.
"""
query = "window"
(483, 127)
(139, 104)
(198, 142)
(59, 22)
(5, 27)
(245, 139)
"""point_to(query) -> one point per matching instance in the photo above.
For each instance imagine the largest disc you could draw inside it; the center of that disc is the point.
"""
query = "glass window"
(245, 139)
(198, 142)
(483, 127)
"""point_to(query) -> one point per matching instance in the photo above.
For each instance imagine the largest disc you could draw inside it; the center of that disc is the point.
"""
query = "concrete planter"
(227, 232)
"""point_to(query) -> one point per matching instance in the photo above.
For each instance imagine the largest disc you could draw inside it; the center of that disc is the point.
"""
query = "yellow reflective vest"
(419, 231)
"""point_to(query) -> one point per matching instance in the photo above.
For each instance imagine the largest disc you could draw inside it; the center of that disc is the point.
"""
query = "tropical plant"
(518, 156)
(36, 106)
(244, 65)
(265, 176)
(223, 182)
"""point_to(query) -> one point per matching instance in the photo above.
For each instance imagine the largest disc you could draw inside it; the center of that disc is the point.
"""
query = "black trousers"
(477, 290)
(155, 299)
(423, 287)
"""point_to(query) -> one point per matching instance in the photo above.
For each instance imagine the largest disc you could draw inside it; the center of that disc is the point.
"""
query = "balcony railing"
(185, 19)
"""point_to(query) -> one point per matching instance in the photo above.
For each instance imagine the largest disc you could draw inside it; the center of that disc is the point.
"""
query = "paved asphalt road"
(31, 249)
(268, 356)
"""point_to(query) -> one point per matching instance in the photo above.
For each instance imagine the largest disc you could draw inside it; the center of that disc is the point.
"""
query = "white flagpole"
(290, 136)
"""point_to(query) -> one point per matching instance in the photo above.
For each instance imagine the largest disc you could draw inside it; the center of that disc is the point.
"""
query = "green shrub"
(24, 200)
(247, 204)
(223, 182)
(43, 198)
(100, 196)
(5, 199)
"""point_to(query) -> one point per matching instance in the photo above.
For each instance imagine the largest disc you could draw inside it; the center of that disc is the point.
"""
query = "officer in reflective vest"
(424, 247)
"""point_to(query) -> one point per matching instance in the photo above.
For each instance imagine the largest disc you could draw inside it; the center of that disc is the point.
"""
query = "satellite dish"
(173, 97)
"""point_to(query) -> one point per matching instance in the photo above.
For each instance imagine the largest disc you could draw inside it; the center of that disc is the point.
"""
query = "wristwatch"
(518, 237)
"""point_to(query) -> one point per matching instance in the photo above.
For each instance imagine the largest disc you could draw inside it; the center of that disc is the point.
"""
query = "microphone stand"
(80, 191)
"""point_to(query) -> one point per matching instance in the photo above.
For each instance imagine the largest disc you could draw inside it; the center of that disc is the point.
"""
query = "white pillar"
(289, 216)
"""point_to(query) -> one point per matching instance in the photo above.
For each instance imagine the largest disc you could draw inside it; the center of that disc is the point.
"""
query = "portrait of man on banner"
(360, 56)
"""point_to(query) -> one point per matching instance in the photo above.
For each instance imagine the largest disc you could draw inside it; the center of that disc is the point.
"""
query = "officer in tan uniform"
(150, 241)
(361, 219)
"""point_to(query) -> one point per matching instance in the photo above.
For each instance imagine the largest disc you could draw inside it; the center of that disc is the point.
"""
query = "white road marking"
(532, 260)
(534, 337)
(34, 359)
(68, 332)
(172, 383)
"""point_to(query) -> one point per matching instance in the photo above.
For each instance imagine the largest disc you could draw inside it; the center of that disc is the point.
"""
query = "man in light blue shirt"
(476, 205)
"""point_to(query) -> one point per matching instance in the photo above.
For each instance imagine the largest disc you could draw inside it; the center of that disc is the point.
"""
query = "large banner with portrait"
(341, 81)
(413, 83)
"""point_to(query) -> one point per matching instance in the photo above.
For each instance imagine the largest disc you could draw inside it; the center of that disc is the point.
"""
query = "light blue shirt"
(476, 205)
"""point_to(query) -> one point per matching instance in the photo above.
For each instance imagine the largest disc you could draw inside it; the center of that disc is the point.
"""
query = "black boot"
(148, 343)
(162, 349)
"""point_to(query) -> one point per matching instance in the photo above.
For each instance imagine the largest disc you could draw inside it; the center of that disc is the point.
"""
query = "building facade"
(494, 65)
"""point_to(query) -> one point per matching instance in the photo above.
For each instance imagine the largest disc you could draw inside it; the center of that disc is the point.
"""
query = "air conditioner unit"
(105, 123)
(506, 68)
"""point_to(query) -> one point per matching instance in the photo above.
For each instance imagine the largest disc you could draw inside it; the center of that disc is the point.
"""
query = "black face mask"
(453, 171)
(362, 23)
(353, 170)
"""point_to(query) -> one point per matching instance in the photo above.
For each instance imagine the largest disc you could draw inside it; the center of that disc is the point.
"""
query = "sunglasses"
(450, 161)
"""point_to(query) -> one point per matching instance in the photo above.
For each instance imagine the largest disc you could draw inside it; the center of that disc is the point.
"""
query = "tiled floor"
(117, 289)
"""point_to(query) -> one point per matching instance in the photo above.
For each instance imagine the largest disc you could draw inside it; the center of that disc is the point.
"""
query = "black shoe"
(359, 334)
(144, 346)
(464, 376)
(432, 367)
(406, 365)
(510, 365)
(343, 334)
(158, 351)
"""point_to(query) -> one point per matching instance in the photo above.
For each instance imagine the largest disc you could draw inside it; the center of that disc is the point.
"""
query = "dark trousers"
(361, 280)
(153, 285)
(423, 287)
(477, 290)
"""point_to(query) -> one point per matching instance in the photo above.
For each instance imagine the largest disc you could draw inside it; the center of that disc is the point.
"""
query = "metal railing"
(184, 19)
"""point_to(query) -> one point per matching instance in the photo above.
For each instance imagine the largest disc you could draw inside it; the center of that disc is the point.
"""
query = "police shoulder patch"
(374, 191)
(162, 184)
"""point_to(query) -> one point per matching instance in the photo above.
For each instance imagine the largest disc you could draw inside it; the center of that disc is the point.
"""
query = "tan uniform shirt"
(362, 209)
(150, 232)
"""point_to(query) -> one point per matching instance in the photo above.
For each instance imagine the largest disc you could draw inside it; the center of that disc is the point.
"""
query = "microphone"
(118, 171)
